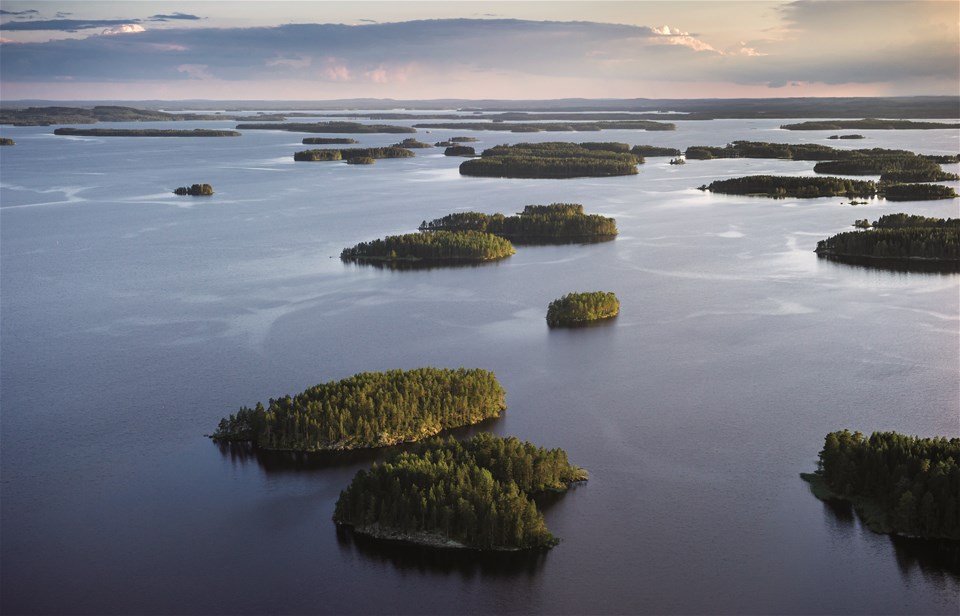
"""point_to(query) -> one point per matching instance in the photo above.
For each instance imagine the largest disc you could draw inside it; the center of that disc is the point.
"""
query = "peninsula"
(473, 494)
(370, 409)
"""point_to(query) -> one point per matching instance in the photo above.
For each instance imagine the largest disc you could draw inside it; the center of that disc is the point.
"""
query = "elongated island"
(144, 132)
(574, 309)
(369, 409)
(439, 247)
(898, 484)
(900, 241)
(471, 494)
(557, 223)
(553, 160)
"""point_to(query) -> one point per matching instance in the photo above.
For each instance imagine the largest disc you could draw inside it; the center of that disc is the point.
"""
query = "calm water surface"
(132, 320)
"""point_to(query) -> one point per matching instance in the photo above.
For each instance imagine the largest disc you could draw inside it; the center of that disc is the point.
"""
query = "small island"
(7, 141)
(867, 124)
(435, 248)
(652, 151)
(459, 150)
(574, 309)
(412, 143)
(476, 494)
(557, 223)
(329, 140)
(195, 190)
(898, 484)
(327, 127)
(327, 154)
(551, 160)
(143, 132)
(901, 241)
(853, 136)
(536, 127)
(370, 409)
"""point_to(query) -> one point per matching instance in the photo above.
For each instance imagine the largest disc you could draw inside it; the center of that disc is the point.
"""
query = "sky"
(319, 50)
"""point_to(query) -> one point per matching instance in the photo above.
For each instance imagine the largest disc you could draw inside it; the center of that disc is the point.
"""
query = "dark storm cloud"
(172, 17)
(66, 25)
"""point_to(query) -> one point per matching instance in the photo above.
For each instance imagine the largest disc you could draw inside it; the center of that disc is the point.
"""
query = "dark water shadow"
(585, 324)
(559, 241)
(447, 561)
(921, 266)
(280, 462)
(421, 264)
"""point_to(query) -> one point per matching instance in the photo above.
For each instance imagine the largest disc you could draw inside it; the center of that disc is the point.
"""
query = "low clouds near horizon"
(910, 45)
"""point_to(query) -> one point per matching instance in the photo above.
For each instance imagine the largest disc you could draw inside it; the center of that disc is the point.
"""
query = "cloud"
(298, 62)
(124, 29)
(66, 25)
(172, 17)
(195, 71)
(29, 13)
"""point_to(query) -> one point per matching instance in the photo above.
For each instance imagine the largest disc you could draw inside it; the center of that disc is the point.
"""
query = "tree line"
(434, 246)
(897, 236)
(867, 124)
(911, 485)
(324, 154)
(891, 169)
(550, 160)
(327, 127)
(369, 409)
(476, 493)
(144, 132)
(557, 222)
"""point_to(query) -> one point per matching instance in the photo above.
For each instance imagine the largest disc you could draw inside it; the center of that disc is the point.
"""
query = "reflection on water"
(896, 265)
(420, 264)
(467, 563)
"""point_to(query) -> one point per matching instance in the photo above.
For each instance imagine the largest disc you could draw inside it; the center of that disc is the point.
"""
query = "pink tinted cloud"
(195, 71)
(336, 70)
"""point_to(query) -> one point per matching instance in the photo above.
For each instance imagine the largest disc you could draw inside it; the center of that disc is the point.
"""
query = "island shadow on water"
(420, 264)
(406, 556)
(923, 266)
(288, 462)
(932, 557)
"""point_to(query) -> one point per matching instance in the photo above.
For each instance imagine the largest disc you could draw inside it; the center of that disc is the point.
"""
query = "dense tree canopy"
(327, 127)
(329, 140)
(867, 124)
(7, 141)
(534, 127)
(907, 484)
(550, 160)
(475, 493)
(792, 186)
(897, 237)
(653, 151)
(412, 143)
(348, 153)
(436, 246)
(557, 222)
(144, 132)
(890, 168)
(370, 409)
(195, 190)
(790, 151)
(580, 308)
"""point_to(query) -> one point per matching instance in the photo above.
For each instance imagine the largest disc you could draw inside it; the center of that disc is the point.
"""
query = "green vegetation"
(854, 136)
(653, 151)
(550, 160)
(580, 308)
(143, 132)
(370, 409)
(445, 493)
(7, 141)
(867, 124)
(918, 192)
(329, 140)
(890, 168)
(361, 160)
(195, 190)
(328, 127)
(463, 139)
(789, 186)
(678, 161)
(520, 127)
(459, 150)
(412, 143)
(46, 116)
(554, 223)
(439, 246)
(897, 239)
(790, 151)
(899, 484)
(324, 154)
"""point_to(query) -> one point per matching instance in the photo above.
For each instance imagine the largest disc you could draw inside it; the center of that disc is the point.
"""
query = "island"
(853, 136)
(434, 248)
(574, 309)
(329, 140)
(678, 161)
(143, 132)
(369, 409)
(550, 160)
(459, 150)
(46, 116)
(917, 192)
(195, 190)
(652, 151)
(901, 241)
(327, 127)
(789, 151)
(557, 223)
(802, 187)
(7, 141)
(346, 154)
(475, 494)
(898, 484)
(412, 143)
(536, 127)
(868, 124)
(361, 160)
(893, 169)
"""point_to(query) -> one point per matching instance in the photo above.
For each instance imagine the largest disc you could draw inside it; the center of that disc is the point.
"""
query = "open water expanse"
(133, 320)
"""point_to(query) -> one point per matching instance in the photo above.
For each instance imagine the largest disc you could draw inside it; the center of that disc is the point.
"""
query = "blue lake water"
(132, 320)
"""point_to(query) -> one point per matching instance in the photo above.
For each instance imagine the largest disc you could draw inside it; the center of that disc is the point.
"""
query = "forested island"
(868, 124)
(899, 241)
(412, 143)
(369, 409)
(471, 494)
(854, 136)
(7, 141)
(551, 160)
(459, 150)
(529, 127)
(329, 140)
(575, 309)
(144, 132)
(899, 168)
(47, 116)
(436, 247)
(790, 151)
(653, 151)
(903, 485)
(803, 187)
(195, 190)
(327, 127)
(326, 154)
(556, 223)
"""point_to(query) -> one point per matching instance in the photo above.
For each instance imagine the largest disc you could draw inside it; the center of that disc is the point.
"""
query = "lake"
(134, 319)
